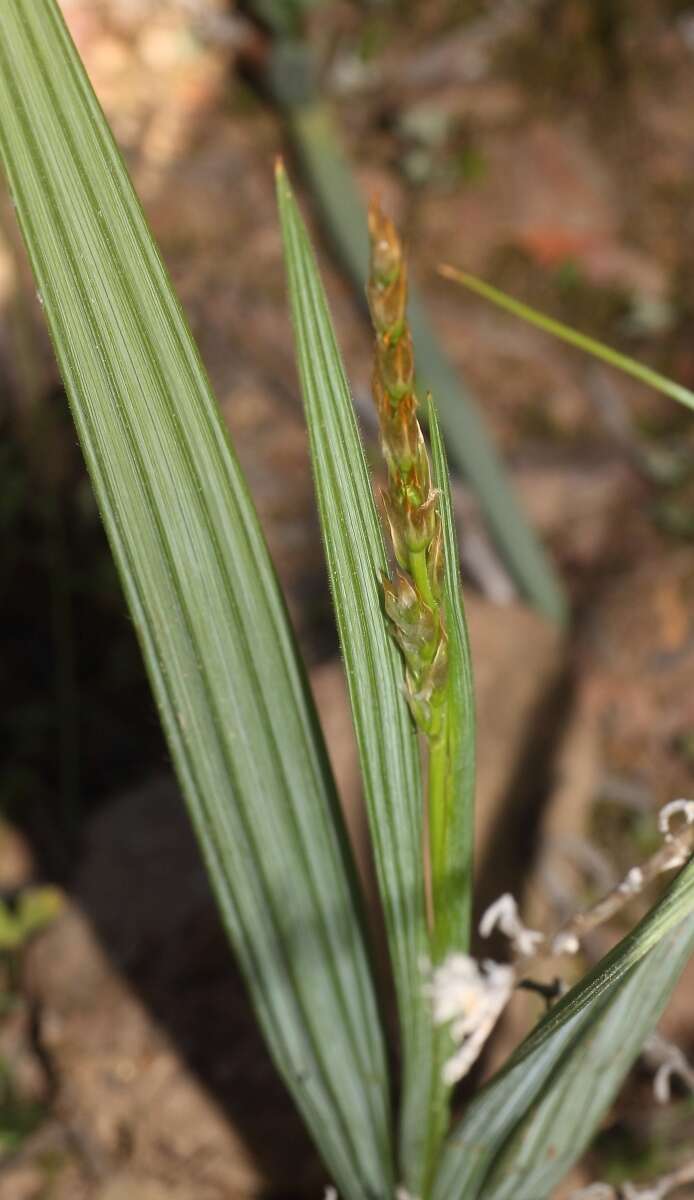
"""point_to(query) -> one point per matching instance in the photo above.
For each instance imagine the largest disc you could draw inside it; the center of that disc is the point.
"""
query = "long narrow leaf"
(623, 362)
(497, 1110)
(387, 741)
(203, 597)
(560, 1126)
(460, 798)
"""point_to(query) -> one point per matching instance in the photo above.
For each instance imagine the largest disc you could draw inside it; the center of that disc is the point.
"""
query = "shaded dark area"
(81, 723)
(516, 834)
(177, 956)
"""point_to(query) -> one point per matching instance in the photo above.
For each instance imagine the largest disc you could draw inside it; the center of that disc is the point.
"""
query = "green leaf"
(676, 391)
(460, 784)
(36, 908)
(562, 1123)
(494, 1114)
(11, 933)
(284, 18)
(387, 741)
(203, 598)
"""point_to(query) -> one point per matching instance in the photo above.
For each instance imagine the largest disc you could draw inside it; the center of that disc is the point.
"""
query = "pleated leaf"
(387, 742)
(460, 797)
(203, 598)
(494, 1114)
(562, 1123)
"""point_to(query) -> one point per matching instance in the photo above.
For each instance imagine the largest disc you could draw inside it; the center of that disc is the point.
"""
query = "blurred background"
(547, 146)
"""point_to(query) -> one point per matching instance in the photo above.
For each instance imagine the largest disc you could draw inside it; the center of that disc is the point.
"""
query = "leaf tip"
(284, 191)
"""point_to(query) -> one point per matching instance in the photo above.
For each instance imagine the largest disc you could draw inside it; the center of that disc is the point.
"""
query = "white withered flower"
(503, 913)
(669, 1063)
(632, 883)
(565, 943)
(684, 808)
(469, 998)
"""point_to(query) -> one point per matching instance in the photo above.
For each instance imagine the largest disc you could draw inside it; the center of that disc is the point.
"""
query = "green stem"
(438, 794)
(439, 781)
(438, 825)
(438, 1112)
(420, 574)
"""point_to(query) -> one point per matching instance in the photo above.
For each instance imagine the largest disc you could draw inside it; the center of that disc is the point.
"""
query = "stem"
(438, 816)
(438, 796)
(420, 574)
(438, 1109)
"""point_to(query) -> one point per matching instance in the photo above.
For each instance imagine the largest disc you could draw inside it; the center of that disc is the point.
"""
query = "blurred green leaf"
(203, 598)
(282, 17)
(36, 907)
(676, 391)
(10, 929)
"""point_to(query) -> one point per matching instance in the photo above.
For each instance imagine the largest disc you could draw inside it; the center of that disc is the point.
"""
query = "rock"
(578, 508)
(330, 693)
(133, 1187)
(641, 643)
(517, 661)
(22, 1183)
(550, 179)
(130, 1096)
(550, 894)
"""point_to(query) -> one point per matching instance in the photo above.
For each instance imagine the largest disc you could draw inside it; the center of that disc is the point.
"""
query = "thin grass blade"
(506, 1100)
(203, 598)
(562, 1123)
(387, 742)
(622, 362)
